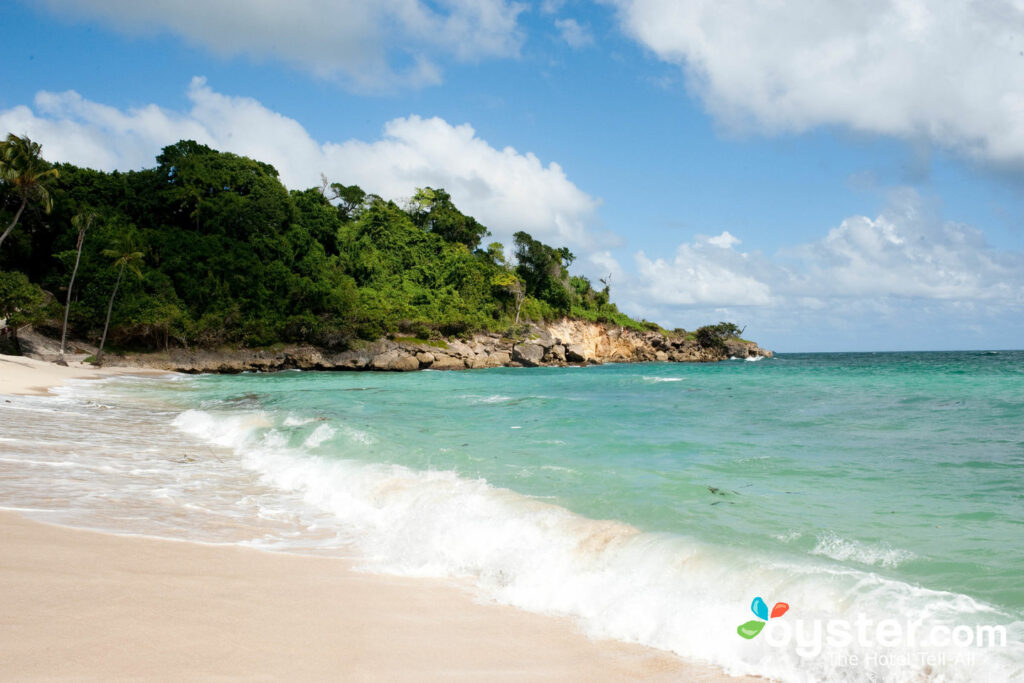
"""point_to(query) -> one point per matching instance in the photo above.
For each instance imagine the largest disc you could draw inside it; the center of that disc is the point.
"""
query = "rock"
(497, 359)
(558, 342)
(459, 349)
(355, 359)
(574, 353)
(489, 361)
(396, 361)
(37, 346)
(444, 362)
(528, 353)
(541, 337)
(736, 348)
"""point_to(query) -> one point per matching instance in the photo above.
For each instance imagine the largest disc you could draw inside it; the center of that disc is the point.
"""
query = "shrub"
(711, 336)
(21, 302)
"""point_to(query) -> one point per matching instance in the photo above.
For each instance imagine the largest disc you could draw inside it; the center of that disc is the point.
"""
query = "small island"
(207, 263)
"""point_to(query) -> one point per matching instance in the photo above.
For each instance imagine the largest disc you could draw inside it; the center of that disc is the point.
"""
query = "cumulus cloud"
(368, 45)
(951, 73)
(708, 271)
(906, 267)
(724, 241)
(575, 35)
(505, 189)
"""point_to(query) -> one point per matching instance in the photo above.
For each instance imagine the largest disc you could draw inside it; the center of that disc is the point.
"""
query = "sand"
(21, 375)
(82, 605)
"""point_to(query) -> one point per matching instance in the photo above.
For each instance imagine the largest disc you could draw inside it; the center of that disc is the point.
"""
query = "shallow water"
(652, 502)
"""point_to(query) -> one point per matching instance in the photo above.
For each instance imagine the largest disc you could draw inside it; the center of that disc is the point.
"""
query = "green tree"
(126, 256)
(711, 336)
(351, 198)
(542, 270)
(22, 166)
(434, 211)
(21, 302)
(82, 222)
(231, 256)
(512, 284)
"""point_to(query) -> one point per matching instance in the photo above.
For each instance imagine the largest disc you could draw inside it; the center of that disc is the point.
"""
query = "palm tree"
(126, 255)
(22, 166)
(82, 221)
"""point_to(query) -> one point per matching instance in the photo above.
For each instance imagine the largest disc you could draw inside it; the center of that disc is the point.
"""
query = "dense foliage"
(224, 254)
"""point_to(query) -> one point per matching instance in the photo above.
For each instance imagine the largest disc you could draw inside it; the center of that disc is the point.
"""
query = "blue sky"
(844, 176)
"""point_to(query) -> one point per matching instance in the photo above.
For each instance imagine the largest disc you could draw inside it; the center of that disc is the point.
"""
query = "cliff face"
(564, 342)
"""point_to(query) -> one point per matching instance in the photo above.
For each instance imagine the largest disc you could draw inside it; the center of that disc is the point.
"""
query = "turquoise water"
(651, 502)
(911, 464)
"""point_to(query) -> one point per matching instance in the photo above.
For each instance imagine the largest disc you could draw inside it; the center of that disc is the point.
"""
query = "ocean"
(879, 496)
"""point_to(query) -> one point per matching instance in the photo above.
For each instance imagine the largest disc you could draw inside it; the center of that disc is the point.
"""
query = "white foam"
(662, 590)
(323, 432)
(230, 431)
(492, 399)
(838, 548)
(358, 436)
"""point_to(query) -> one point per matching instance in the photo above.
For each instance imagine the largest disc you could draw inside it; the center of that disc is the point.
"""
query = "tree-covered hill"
(221, 253)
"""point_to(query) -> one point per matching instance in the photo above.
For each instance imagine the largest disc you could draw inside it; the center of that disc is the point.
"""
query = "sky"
(832, 176)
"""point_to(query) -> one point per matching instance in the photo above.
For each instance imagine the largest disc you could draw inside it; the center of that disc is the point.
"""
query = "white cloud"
(724, 241)
(575, 35)
(706, 273)
(503, 188)
(368, 45)
(947, 72)
(905, 272)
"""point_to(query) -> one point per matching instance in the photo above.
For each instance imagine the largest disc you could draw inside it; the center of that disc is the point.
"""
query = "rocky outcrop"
(528, 353)
(564, 342)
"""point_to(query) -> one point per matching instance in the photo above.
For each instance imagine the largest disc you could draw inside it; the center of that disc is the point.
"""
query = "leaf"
(759, 608)
(750, 629)
(779, 609)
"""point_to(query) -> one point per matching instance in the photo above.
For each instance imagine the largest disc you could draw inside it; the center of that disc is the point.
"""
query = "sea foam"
(842, 549)
(662, 590)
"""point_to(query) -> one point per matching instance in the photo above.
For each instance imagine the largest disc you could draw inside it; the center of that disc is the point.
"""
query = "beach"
(84, 605)
(22, 376)
(623, 521)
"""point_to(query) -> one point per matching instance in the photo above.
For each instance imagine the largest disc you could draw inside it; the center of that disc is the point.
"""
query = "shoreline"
(24, 376)
(83, 604)
(561, 343)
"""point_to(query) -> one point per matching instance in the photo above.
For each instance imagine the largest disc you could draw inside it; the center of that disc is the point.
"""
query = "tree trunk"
(67, 306)
(24, 201)
(106, 325)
